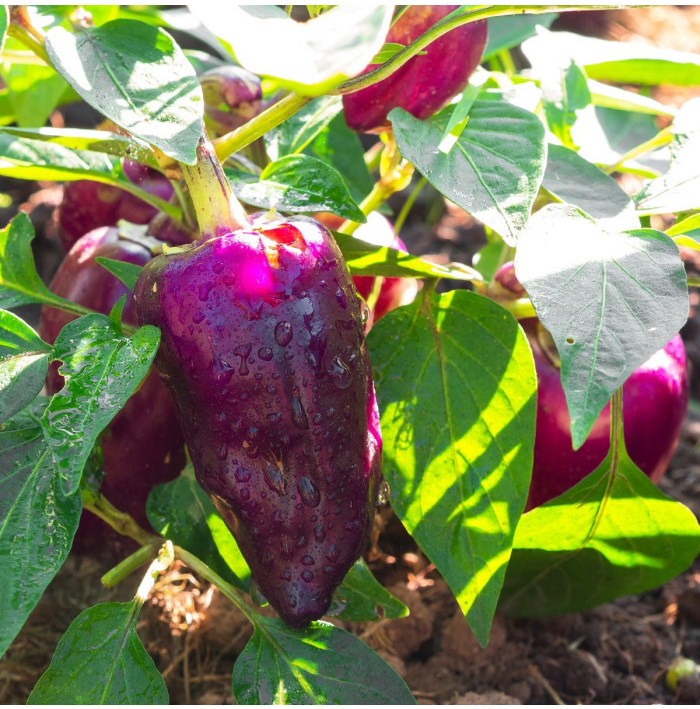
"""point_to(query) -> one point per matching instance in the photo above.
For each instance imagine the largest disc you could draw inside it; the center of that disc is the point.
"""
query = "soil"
(618, 653)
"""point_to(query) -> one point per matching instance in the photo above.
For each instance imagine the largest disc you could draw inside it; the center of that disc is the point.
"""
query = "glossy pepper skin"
(393, 291)
(425, 83)
(143, 445)
(263, 351)
(88, 205)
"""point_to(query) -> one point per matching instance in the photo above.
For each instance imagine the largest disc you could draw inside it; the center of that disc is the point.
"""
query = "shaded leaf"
(37, 522)
(297, 132)
(102, 369)
(127, 273)
(182, 512)
(300, 183)
(320, 665)
(137, 76)
(19, 282)
(572, 179)
(494, 169)
(362, 598)
(101, 660)
(609, 299)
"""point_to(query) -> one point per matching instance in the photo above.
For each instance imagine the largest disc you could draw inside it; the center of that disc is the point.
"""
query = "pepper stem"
(217, 209)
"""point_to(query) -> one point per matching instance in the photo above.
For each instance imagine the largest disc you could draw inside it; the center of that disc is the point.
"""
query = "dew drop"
(339, 372)
(298, 414)
(274, 418)
(274, 479)
(198, 317)
(245, 494)
(242, 475)
(265, 353)
(341, 297)
(271, 389)
(307, 575)
(222, 452)
(319, 533)
(384, 492)
(283, 333)
(308, 492)
(218, 266)
(333, 553)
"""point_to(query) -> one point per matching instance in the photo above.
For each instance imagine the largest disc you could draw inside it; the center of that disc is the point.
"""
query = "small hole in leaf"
(379, 610)
(570, 340)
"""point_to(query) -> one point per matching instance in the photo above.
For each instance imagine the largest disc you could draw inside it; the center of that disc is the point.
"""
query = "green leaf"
(388, 51)
(182, 512)
(35, 91)
(19, 282)
(102, 368)
(572, 179)
(609, 299)
(300, 183)
(613, 534)
(96, 141)
(311, 57)
(511, 30)
(320, 665)
(618, 62)
(37, 522)
(24, 362)
(365, 259)
(606, 134)
(39, 159)
(101, 660)
(297, 132)
(137, 76)
(341, 148)
(608, 96)
(493, 171)
(564, 93)
(16, 336)
(362, 598)
(127, 273)
(4, 24)
(457, 391)
(677, 190)
(21, 379)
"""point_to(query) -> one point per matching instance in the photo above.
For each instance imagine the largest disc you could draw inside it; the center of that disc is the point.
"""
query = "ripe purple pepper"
(425, 82)
(264, 354)
(88, 205)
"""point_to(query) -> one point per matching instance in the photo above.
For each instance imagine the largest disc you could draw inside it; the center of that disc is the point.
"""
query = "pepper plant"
(531, 154)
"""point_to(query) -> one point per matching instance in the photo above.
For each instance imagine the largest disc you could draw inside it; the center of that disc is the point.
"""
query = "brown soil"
(615, 654)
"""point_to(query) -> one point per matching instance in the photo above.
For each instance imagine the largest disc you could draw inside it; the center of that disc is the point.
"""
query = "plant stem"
(218, 211)
(127, 566)
(408, 204)
(662, 138)
(22, 29)
(119, 521)
(520, 309)
(257, 127)
(197, 565)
